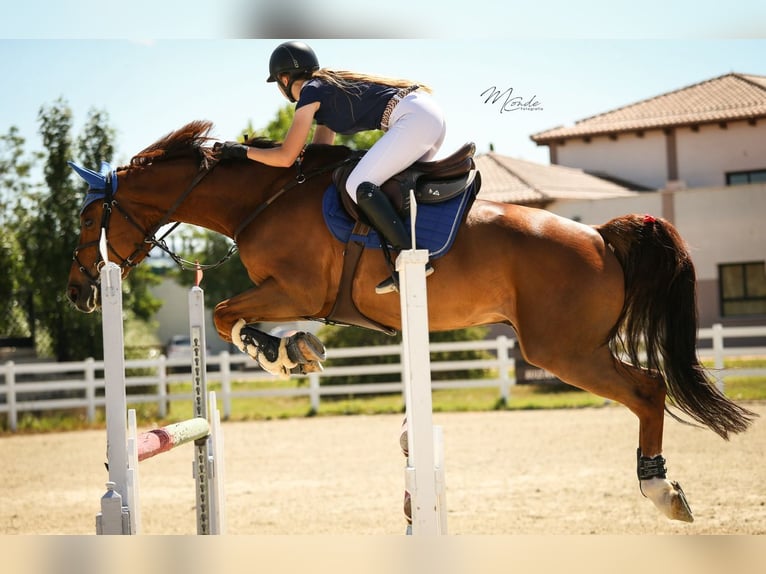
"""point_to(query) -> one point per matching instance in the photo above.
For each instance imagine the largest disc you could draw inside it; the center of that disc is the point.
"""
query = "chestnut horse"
(586, 302)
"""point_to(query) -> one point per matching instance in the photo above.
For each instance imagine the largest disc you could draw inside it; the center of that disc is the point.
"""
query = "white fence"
(80, 385)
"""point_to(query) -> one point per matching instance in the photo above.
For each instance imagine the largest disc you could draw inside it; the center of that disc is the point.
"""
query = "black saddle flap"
(437, 190)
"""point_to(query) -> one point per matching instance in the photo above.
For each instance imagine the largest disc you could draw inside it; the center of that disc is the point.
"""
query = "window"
(744, 177)
(743, 289)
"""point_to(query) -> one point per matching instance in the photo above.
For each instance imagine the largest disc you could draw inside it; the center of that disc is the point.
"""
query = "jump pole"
(120, 508)
(424, 473)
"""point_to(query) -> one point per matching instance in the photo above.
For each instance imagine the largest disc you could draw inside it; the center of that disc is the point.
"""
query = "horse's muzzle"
(85, 298)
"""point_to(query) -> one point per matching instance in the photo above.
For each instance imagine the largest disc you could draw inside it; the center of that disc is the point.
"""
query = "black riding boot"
(383, 217)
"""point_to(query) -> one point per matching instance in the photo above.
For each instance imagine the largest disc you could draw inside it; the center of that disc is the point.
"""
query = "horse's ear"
(105, 168)
(93, 179)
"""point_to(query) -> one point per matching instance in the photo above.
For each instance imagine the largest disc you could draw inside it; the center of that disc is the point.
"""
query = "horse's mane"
(188, 142)
(261, 142)
(184, 142)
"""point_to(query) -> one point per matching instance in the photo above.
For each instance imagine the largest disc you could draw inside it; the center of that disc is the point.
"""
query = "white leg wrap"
(282, 365)
(235, 338)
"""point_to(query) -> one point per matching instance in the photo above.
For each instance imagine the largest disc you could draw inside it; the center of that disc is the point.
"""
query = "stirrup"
(391, 284)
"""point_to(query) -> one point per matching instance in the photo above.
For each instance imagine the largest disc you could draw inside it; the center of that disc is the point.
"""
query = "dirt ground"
(508, 473)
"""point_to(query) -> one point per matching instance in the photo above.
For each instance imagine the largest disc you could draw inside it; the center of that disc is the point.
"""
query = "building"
(699, 155)
(709, 134)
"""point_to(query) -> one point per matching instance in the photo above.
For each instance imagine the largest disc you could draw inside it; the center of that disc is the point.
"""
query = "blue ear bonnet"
(96, 182)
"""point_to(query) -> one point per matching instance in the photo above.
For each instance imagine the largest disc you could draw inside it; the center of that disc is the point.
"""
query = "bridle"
(150, 241)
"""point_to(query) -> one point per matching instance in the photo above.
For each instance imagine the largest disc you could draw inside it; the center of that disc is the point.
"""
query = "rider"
(348, 102)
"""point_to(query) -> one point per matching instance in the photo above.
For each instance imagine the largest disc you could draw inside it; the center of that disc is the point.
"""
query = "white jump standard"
(120, 508)
(424, 475)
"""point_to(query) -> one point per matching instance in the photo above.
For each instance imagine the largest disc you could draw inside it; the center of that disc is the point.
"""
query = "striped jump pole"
(120, 507)
(424, 473)
(155, 441)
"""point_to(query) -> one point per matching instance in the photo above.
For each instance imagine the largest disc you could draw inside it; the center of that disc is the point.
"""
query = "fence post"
(314, 391)
(226, 383)
(718, 353)
(90, 388)
(162, 386)
(503, 367)
(10, 398)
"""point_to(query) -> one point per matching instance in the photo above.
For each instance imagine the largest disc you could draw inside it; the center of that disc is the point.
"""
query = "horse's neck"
(224, 197)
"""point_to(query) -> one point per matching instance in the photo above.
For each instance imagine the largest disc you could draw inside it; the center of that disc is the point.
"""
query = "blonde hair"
(343, 79)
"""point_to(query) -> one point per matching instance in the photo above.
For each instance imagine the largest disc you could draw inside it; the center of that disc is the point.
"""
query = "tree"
(95, 145)
(50, 233)
(16, 316)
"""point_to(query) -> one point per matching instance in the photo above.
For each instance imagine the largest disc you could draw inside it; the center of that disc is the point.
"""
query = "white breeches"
(416, 132)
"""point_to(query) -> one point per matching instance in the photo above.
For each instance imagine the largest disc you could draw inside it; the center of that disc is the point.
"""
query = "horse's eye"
(87, 223)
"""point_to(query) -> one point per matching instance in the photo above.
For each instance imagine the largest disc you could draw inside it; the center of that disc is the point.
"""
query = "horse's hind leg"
(644, 395)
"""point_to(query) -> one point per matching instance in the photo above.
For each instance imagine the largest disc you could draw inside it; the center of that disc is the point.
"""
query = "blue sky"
(151, 87)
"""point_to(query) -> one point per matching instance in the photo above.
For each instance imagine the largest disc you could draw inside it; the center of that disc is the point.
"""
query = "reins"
(110, 203)
(300, 178)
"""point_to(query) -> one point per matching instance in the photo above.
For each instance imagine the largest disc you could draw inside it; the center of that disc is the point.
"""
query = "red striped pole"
(163, 439)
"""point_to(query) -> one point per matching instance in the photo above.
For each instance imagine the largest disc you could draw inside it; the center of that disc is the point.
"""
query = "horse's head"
(123, 237)
(129, 220)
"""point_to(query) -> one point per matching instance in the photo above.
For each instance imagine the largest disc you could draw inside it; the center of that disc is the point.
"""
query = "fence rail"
(80, 384)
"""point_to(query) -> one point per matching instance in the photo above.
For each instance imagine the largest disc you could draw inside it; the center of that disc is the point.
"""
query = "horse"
(608, 308)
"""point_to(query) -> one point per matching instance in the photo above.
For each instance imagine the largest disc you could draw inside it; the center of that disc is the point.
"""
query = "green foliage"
(339, 337)
(39, 225)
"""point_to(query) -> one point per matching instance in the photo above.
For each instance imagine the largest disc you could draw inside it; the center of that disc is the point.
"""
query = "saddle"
(432, 181)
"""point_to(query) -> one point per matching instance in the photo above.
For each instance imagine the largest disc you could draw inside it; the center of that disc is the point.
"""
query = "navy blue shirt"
(356, 108)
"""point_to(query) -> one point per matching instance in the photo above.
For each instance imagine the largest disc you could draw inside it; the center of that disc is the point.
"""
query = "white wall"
(592, 212)
(720, 225)
(705, 156)
(639, 160)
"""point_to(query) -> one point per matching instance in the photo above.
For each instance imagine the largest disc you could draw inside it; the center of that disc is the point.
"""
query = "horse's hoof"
(404, 439)
(681, 509)
(668, 497)
(310, 346)
(408, 507)
(306, 368)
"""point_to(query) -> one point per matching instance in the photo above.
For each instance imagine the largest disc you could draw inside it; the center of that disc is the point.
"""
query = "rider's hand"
(231, 150)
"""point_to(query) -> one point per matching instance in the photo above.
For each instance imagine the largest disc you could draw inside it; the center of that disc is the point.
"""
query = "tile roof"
(510, 180)
(724, 98)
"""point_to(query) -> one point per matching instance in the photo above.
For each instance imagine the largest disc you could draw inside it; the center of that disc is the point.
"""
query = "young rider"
(348, 102)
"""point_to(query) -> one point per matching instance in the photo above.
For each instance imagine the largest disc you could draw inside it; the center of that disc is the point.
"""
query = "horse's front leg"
(235, 318)
(300, 353)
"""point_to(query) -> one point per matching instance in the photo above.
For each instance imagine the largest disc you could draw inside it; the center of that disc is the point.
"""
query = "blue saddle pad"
(435, 228)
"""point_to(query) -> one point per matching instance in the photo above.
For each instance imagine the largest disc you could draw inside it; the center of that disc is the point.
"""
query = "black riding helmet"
(296, 59)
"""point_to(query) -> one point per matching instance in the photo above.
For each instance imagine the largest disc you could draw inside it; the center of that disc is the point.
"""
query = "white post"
(199, 390)
(10, 394)
(217, 477)
(116, 408)
(718, 353)
(420, 475)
